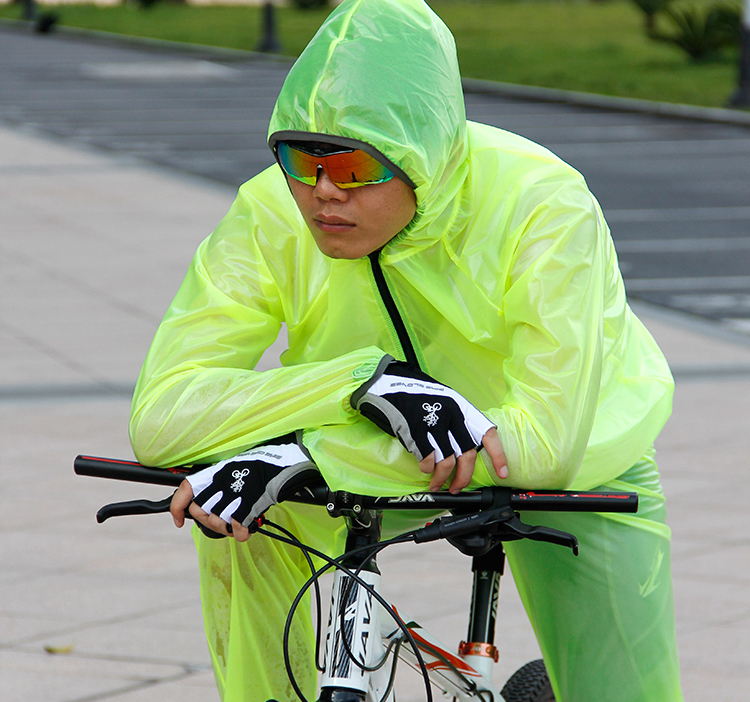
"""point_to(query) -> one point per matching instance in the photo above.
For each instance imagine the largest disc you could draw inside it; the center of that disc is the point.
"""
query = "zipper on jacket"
(393, 313)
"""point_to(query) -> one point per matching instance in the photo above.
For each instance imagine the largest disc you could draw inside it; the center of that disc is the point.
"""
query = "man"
(471, 264)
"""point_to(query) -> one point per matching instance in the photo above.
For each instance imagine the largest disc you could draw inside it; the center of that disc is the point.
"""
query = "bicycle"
(364, 630)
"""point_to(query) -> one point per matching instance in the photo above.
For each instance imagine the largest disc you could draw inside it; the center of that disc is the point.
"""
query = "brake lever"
(516, 529)
(121, 509)
(134, 507)
(503, 523)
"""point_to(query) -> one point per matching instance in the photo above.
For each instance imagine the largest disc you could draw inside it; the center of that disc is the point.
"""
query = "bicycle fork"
(353, 643)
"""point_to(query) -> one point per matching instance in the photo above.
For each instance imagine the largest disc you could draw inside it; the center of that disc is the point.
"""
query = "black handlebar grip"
(567, 501)
(129, 470)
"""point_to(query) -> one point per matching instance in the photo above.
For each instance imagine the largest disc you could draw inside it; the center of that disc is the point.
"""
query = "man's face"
(353, 222)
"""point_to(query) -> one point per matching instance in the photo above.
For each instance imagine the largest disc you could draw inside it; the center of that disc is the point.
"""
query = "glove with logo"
(246, 485)
(422, 413)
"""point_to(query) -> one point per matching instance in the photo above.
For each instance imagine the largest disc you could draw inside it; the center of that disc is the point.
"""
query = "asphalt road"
(676, 192)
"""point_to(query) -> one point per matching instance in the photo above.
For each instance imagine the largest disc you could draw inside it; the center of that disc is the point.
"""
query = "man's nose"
(326, 189)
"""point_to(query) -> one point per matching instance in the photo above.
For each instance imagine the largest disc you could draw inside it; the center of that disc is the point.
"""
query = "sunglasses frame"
(344, 143)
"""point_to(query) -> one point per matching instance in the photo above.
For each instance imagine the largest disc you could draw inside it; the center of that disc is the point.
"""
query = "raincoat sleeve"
(554, 308)
(198, 398)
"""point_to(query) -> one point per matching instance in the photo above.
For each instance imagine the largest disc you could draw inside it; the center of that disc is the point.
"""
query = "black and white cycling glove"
(246, 485)
(422, 413)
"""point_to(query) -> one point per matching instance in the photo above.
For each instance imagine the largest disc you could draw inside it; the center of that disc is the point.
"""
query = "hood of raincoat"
(385, 72)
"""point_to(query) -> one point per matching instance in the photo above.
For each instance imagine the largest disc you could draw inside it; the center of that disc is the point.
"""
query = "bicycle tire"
(530, 683)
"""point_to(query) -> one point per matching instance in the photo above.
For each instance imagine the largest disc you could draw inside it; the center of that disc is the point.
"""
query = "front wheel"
(529, 684)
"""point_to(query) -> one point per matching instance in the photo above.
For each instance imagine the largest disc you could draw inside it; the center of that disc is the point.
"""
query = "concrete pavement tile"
(685, 488)
(722, 651)
(707, 433)
(198, 687)
(177, 620)
(47, 436)
(23, 360)
(177, 624)
(31, 676)
(686, 344)
(21, 628)
(24, 151)
(720, 563)
(696, 525)
(174, 640)
(104, 551)
(89, 598)
(703, 605)
(82, 257)
(89, 275)
(87, 332)
(96, 266)
(89, 210)
(697, 686)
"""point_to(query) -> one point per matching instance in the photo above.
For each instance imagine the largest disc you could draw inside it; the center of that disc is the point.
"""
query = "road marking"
(740, 324)
(162, 70)
(712, 302)
(735, 282)
(679, 214)
(688, 245)
(718, 372)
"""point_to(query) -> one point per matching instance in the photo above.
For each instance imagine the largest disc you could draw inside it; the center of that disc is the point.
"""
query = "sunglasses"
(347, 162)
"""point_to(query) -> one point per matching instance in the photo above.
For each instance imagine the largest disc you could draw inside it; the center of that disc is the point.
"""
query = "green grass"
(595, 47)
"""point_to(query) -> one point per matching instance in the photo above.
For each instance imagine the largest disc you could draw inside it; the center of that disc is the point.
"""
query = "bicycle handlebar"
(521, 500)
(130, 471)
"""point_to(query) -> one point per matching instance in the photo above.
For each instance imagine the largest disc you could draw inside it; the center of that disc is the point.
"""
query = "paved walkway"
(92, 249)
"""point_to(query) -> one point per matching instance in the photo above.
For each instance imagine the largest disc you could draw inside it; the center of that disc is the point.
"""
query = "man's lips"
(332, 223)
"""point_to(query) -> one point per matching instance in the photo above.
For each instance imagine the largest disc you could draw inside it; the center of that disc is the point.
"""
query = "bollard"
(29, 10)
(741, 97)
(268, 42)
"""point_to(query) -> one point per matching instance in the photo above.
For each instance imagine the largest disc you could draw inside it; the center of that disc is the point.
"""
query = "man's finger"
(464, 470)
(494, 448)
(442, 471)
(180, 502)
(239, 532)
(217, 524)
(208, 520)
(427, 464)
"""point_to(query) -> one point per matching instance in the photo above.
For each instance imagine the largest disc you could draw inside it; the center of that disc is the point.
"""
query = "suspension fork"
(479, 648)
(353, 638)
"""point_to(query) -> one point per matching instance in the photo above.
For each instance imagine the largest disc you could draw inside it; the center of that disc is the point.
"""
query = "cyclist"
(446, 286)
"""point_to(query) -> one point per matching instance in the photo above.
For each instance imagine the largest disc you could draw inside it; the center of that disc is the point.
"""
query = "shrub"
(704, 31)
(650, 9)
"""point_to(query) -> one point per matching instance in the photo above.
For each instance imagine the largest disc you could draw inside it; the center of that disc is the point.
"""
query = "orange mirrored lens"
(347, 169)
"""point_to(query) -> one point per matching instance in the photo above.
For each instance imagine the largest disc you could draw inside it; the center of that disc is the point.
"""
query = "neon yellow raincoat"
(508, 285)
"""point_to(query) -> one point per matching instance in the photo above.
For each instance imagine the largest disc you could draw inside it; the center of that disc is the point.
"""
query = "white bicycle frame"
(466, 678)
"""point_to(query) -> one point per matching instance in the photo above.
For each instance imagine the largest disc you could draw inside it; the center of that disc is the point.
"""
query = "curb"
(606, 102)
(470, 85)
